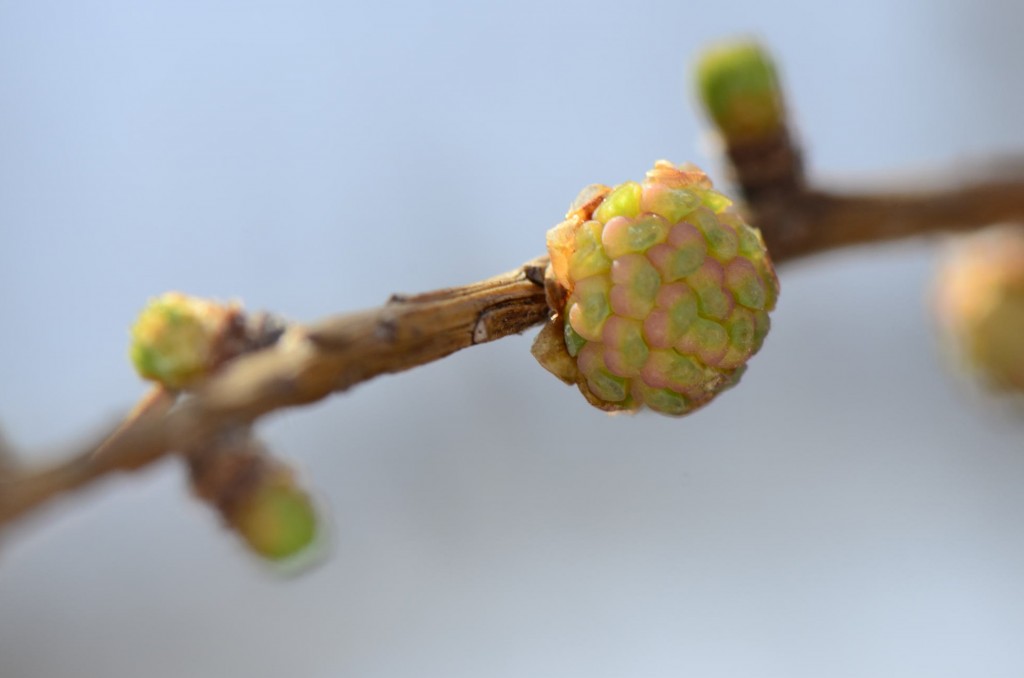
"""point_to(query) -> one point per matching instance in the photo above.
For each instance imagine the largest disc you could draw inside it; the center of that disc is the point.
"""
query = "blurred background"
(849, 510)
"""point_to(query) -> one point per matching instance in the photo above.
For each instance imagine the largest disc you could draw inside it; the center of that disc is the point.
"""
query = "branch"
(797, 220)
(304, 365)
(6, 456)
(310, 362)
(842, 220)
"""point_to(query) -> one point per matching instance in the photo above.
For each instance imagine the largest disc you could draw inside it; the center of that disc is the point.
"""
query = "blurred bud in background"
(258, 496)
(739, 88)
(979, 300)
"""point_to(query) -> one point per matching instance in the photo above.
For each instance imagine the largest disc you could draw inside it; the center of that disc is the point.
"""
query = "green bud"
(277, 521)
(176, 339)
(740, 91)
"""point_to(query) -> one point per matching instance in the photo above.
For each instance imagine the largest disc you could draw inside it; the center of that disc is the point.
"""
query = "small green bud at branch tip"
(277, 522)
(739, 89)
(176, 339)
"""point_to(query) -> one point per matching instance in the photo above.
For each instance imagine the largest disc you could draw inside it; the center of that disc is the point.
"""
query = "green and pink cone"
(662, 293)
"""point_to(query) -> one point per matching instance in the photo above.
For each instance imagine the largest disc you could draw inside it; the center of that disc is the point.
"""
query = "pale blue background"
(850, 510)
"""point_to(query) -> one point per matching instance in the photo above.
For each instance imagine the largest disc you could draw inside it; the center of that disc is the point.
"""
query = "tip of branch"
(739, 89)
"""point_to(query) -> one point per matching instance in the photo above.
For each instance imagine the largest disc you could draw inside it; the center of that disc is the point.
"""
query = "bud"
(277, 520)
(258, 497)
(740, 91)
(179, 339)
(979, 300)
(667, 293)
